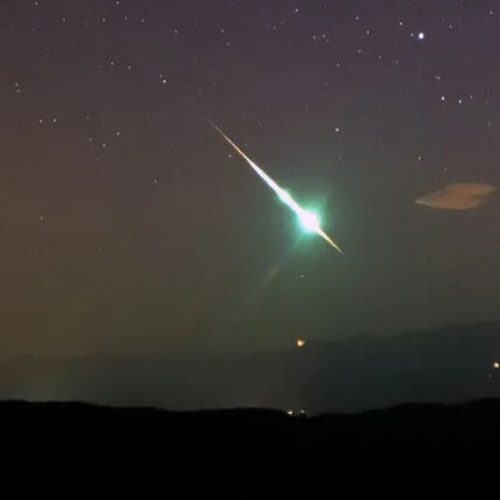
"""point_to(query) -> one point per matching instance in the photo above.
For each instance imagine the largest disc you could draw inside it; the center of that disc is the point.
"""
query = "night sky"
(128, 226)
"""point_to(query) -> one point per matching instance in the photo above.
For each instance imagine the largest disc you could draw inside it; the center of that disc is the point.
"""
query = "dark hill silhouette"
(84, 444)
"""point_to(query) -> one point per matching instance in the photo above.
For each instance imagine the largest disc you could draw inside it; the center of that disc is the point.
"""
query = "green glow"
(309, 221)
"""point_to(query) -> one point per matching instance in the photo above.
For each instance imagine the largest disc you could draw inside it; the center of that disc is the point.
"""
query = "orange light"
(496, 365)
(300, 343)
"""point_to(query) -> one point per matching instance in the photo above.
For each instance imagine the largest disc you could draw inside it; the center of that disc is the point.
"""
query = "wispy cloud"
(463, 196)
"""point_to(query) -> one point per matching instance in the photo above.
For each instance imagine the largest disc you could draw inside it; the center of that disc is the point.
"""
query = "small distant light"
(300, 343)
(496, 365)
(421, 35)
(289, 413)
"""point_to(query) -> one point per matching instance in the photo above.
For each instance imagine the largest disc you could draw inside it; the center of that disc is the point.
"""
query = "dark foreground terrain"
(72, 436)
(409, 449)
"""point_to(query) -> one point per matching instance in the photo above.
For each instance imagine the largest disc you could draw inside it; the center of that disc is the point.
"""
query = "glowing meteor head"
(309, 221)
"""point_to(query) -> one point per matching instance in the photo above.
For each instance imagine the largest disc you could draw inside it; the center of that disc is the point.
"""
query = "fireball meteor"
(309, 220)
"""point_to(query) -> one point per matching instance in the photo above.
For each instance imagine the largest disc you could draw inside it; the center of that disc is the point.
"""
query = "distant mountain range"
(453, 364)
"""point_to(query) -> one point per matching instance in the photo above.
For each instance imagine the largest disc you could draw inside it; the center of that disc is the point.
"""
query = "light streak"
(307, 218)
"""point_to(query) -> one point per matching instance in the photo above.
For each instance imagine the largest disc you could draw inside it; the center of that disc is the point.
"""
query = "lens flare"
(309, 220)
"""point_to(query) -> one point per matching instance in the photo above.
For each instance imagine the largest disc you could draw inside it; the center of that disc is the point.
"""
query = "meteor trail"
(308, 219)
